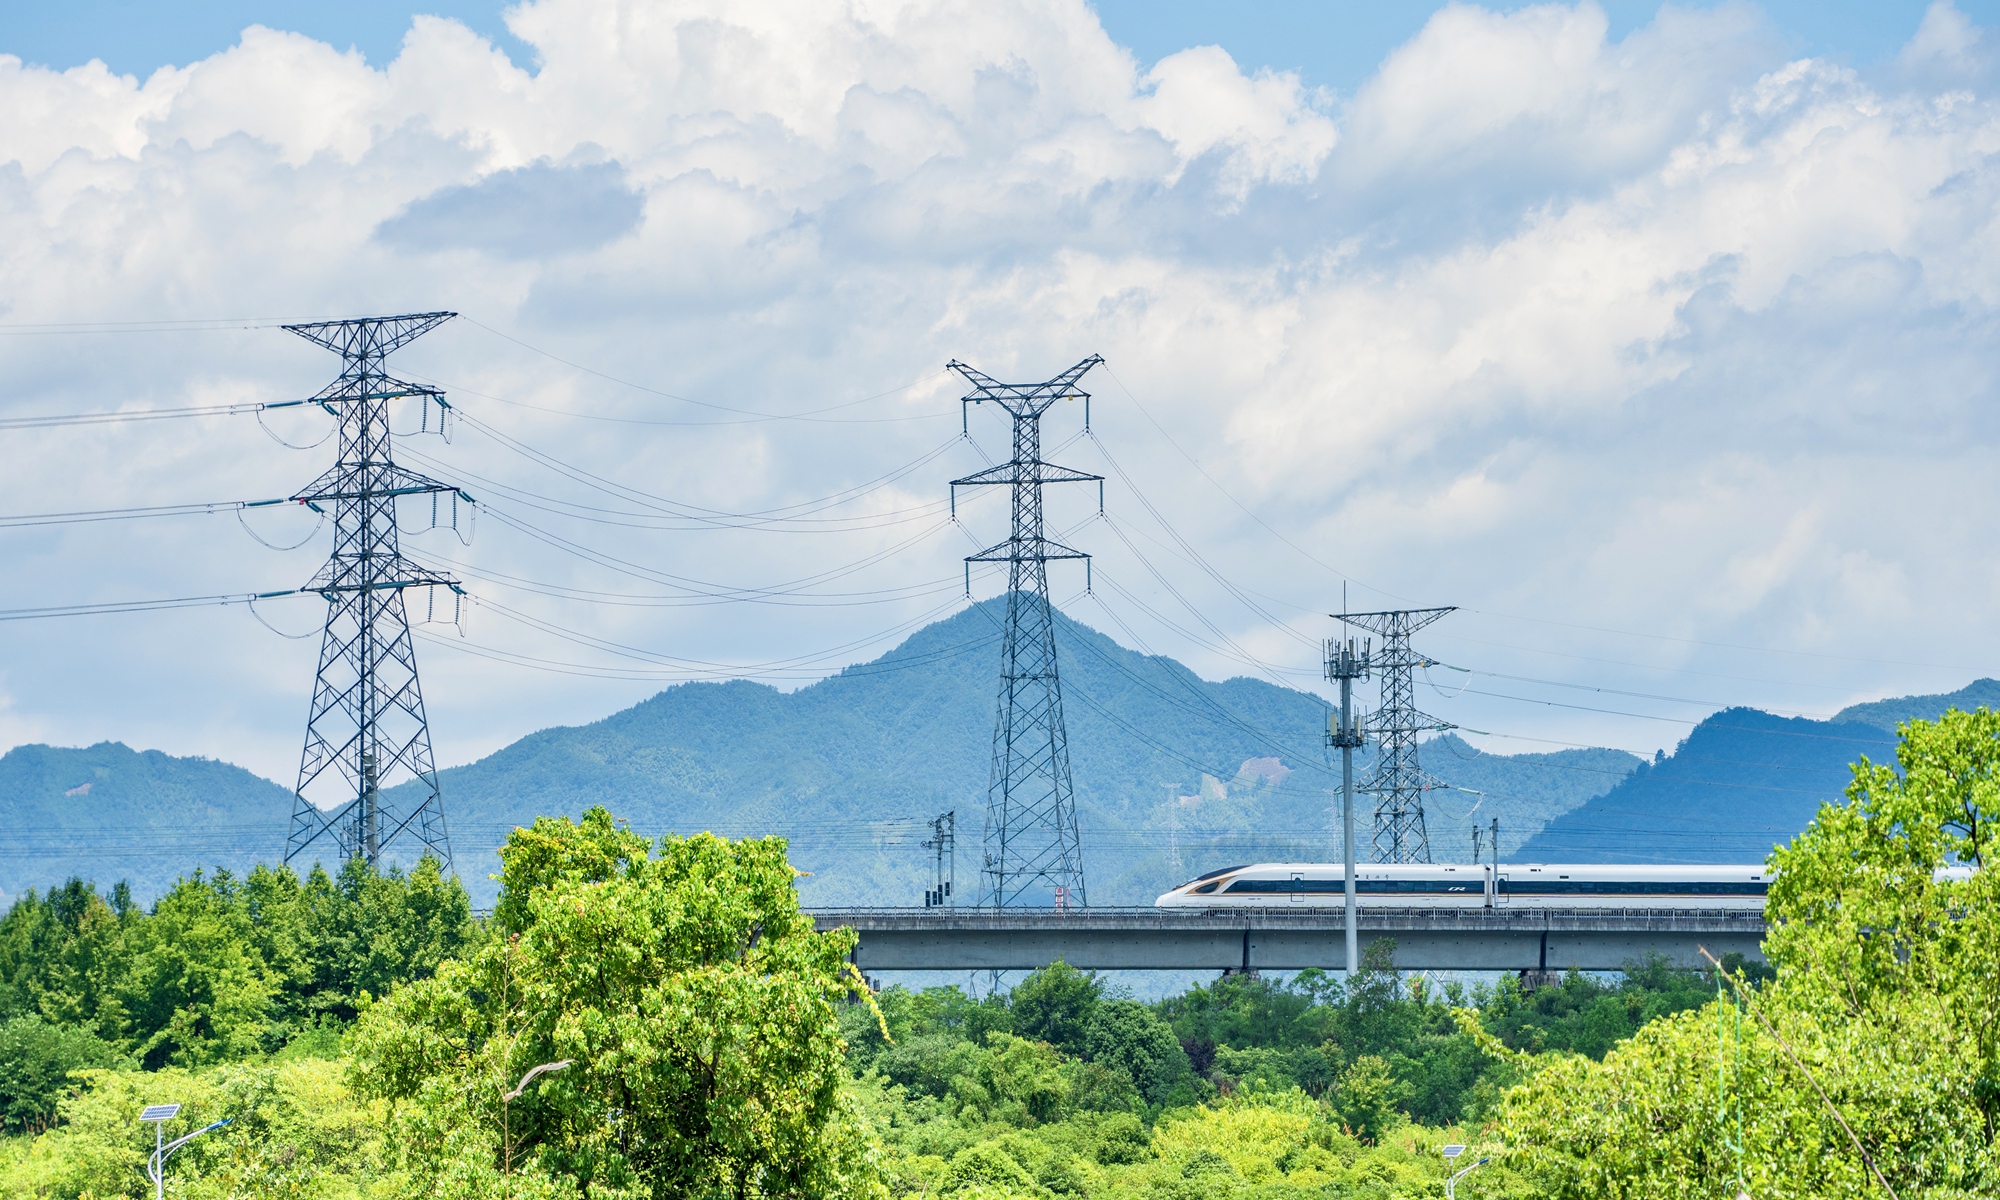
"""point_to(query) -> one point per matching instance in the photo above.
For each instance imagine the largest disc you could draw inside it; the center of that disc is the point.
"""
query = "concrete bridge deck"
(1503, 939)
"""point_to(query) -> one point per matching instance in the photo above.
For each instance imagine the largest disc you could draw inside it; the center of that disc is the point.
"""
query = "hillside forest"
(366, 1036)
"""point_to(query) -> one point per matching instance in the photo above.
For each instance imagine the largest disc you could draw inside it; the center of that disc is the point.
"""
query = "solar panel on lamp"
(160, 1112)
(1451, 1152)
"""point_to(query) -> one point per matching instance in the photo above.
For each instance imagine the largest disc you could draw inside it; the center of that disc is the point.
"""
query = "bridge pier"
(1288, 939)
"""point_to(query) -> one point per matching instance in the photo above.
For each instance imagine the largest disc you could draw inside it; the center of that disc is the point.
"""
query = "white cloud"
(1667, 334)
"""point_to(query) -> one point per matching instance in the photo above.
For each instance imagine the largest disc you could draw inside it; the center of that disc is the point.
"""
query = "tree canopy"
(692, 999)
(1868, 1060)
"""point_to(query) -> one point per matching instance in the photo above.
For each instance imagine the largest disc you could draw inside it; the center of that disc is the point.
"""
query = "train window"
(1630, 887)
(1206, 888)
(1366, 887)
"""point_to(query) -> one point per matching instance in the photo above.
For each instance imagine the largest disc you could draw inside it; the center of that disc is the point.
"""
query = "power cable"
(1611, 712)
(55, 420)
(674, 522)
(924, 590)
(809, 415)
(92, 515)
(1470, 672)
(1620, 662)
(748, 420)
(1336, 572)
(699, 587)
(697, 512)
(1193, 555)
(125, 606)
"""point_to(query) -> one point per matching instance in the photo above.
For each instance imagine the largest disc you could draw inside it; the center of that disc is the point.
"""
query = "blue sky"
(1332, 43)
(1662, 342)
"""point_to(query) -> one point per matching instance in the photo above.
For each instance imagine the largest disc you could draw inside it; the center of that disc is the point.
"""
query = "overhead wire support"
(943, 842)
(367, 729)
(1031, 849)
(1399, 782)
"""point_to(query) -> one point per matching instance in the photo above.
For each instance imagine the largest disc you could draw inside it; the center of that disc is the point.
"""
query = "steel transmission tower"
(367, 727)
(1031, 839)
(1398, 783)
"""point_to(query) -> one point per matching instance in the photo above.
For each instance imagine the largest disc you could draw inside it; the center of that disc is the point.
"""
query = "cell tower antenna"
(1031, 844)
(1399, 783)
(367, 729)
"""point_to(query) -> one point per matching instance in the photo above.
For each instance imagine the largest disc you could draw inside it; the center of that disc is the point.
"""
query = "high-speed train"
(1481, 885)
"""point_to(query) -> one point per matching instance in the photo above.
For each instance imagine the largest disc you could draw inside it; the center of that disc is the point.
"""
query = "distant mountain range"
(1174, 775)
(1742, 782)
(848, 766)
(109, 812)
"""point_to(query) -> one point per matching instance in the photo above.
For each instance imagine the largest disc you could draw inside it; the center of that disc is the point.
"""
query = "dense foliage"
(220, 969)
(691, 999)
(1870, 1063)
(369, 1039)
(1306, 1086)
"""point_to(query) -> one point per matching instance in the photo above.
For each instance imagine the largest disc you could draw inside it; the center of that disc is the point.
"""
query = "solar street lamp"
(1451, 1154)
(156, 1166)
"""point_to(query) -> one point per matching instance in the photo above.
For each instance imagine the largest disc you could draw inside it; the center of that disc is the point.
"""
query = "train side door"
(1298, 888)
(1499, 887)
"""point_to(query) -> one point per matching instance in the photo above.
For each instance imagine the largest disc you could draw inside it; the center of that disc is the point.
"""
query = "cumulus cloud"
(522, 212)
(1666, 334)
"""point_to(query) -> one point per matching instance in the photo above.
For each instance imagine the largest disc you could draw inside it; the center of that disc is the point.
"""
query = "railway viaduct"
(1519, 939)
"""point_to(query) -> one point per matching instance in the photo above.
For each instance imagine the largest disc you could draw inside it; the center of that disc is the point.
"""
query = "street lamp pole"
(156, 1166)
(1451, 1184)
(506, 1129)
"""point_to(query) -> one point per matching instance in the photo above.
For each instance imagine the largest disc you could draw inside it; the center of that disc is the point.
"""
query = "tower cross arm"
(373, 337)
(1024, 398)
(1408, 719)
(333, 580)
(1031, 472)
(1038, 550)
(349, 389)
(338, 484)
(1389, 624)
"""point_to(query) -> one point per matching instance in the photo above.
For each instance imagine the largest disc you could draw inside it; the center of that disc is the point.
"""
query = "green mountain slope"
(109, 812)
(1741, 782)
(1174, 775)
(1887, 714)
(850, 767)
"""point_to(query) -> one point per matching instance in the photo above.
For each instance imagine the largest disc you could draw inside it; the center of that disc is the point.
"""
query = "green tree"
(1055, 1004)
(63, 956)
(1888, 977)
(1366, 1096)
(197, 990)
(1246, 1010)
(36, 1058)
(693, 998)
(1128, 1035)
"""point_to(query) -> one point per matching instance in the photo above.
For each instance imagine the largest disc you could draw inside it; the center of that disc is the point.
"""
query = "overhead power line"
(88, 516)
(115, 417)
(815, 415)
(127, 606)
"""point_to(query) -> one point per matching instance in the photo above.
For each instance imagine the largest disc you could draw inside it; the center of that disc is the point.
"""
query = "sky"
(1659, 341)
